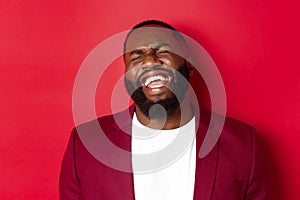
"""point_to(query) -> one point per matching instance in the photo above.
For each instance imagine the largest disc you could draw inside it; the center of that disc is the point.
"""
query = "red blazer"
(233, 170)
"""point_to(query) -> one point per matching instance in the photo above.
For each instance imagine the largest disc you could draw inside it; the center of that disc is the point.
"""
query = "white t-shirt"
(169, 172)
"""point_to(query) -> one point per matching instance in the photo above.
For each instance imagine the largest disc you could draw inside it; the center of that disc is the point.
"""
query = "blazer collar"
(124, 118)
(206, 167)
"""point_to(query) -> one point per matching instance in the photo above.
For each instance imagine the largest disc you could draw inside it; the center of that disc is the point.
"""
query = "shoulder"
(115, 129)
(237, 132)
(230, 129)
(236, 139)
(109, 122)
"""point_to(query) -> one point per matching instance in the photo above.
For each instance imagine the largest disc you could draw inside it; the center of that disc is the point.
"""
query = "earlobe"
(191, 71)
(190, 66)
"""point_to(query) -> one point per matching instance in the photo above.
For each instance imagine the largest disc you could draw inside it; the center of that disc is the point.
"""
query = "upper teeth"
(155, 78)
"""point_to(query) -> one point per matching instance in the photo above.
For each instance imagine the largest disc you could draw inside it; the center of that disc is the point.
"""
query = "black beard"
(166, 107)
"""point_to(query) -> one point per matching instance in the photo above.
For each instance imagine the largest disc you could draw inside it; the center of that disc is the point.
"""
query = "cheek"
(130, 74)
(130, 70)
(174, 61)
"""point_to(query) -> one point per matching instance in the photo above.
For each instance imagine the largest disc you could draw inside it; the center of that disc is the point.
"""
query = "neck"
(180, 117)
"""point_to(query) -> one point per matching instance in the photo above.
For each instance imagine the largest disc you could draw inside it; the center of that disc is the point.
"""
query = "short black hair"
(153, 22)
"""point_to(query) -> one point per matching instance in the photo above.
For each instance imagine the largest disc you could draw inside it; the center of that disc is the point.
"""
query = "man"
(156, 78)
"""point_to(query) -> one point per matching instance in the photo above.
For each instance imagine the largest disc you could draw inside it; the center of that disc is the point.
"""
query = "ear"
(190, 66)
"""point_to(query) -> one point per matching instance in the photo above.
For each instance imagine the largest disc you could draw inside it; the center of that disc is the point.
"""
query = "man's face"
(155, 74)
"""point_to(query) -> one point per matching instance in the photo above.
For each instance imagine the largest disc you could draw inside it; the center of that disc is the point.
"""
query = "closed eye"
(133, 58)
(163, 51)
(135, 54)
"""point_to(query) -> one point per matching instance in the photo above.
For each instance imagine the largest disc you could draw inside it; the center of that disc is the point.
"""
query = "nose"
(151, 59)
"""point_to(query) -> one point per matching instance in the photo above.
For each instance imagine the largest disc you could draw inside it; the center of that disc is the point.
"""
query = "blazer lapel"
(124, 179)
(206, 167)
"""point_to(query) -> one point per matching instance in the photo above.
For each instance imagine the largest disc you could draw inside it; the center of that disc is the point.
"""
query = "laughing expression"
(151, 62)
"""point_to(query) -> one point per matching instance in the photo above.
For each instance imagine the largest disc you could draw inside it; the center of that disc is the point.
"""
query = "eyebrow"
(155, 47)
(158, 46)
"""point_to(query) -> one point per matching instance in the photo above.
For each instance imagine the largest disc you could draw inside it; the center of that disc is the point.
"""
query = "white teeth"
(156, 86)
(155, 78)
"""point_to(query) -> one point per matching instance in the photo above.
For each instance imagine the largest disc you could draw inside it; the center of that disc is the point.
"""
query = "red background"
(255, 44)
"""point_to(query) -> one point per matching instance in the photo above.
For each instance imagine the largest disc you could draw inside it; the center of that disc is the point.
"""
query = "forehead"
(147, 37)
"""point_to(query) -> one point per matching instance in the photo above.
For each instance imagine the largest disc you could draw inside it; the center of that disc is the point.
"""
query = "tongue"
(156, 84)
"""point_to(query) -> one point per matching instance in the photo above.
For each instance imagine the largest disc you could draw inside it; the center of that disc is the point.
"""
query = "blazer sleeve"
(258, 184)
(69, 184)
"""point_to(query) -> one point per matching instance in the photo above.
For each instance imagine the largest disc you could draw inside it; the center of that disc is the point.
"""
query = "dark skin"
(149, 49)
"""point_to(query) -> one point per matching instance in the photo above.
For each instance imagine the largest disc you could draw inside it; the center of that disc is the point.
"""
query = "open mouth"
(156, 81)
